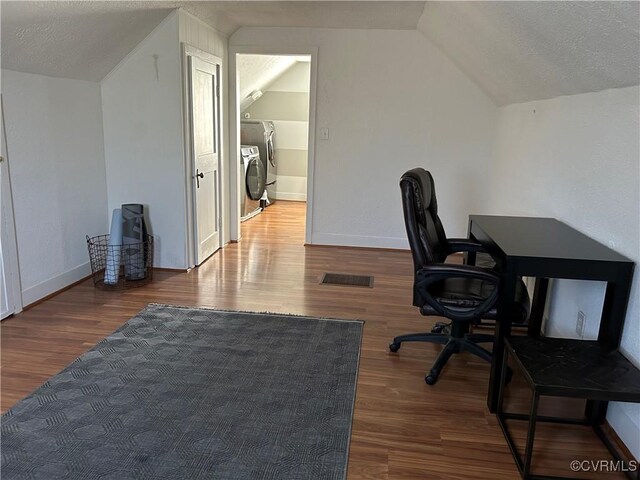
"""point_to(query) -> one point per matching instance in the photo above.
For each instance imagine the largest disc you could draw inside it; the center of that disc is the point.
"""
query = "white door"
(205, 147)
(10, 297)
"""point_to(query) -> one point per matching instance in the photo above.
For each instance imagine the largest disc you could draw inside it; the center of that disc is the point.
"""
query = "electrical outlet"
(580, 321)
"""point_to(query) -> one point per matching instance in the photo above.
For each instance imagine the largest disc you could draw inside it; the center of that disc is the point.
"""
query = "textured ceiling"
(514, 50)
(522, 51)
(82, 40)
(87, 39)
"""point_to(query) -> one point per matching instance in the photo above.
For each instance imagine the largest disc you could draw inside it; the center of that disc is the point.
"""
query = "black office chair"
(463, 294)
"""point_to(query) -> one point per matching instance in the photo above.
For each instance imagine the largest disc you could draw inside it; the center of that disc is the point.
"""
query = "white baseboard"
(290, 188)
(292, 196)
(42, 289)
(359, 241)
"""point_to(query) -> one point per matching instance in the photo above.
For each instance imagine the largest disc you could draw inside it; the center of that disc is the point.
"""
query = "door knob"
(199, 175)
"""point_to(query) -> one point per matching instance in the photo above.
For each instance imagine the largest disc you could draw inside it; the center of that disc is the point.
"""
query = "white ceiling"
(514, 50)
(87, 39)
(81, 40)
(228, 16)
(521, 51)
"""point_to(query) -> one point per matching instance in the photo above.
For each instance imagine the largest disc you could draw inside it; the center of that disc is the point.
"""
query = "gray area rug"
(185, 393)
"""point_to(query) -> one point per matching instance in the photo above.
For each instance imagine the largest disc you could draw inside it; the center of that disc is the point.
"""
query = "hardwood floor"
(402, 428)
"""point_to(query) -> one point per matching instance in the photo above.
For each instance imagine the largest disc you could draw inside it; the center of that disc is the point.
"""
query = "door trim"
(13, 283)
(234, 131)
(191, 51)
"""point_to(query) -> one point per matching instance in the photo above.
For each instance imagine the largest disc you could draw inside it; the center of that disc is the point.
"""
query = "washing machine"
(262, 134)
(253, 181)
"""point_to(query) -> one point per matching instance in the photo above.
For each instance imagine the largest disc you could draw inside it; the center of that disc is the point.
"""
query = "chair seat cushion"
(461, 292)
(469, 293)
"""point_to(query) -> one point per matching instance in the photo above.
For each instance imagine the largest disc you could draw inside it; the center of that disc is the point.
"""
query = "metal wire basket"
(116, 267)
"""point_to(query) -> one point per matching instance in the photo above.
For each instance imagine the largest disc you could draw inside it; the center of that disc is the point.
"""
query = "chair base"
(458, 340)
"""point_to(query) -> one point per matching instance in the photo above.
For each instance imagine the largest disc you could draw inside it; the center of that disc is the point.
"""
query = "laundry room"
(274, 128)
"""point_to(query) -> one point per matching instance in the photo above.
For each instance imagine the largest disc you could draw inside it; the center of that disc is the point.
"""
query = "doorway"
(204, 169)
(273, 116)
(274, 127)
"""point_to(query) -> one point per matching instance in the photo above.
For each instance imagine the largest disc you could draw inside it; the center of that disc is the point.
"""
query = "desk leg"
(502, 330)
(595, 412)
(470, 257)
(614, 311)
(537, 307)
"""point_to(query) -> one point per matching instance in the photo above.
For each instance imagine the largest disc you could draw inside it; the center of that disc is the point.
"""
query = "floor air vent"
(347, 280)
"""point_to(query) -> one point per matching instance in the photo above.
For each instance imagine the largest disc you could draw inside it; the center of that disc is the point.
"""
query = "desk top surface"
(535, 237)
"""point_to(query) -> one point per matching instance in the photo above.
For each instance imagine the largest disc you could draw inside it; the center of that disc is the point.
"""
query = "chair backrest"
(427, 238)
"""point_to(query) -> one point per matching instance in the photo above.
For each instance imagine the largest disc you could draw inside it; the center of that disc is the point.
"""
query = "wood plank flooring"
(402, 428)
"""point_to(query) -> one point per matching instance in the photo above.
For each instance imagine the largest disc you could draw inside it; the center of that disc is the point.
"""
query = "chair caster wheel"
(394, 347)
(431, 379)
(440, 327)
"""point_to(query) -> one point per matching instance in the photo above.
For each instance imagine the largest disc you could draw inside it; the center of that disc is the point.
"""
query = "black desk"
(546, 248)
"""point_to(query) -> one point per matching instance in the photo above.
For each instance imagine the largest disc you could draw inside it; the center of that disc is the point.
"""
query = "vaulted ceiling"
(87, 39)
(531, 50)
(79, 39)
(514, 50)
(255, 72)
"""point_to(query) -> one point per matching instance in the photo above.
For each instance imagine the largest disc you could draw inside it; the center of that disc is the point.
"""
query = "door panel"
(204, 104)
(205, 115)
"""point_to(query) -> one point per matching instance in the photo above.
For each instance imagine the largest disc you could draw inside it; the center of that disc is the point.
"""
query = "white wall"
(142, 112)
(392, 101)
(576, 158)
(292, 140)
(55, 146)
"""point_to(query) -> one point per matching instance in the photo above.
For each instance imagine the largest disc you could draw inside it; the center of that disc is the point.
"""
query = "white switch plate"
(324, 134)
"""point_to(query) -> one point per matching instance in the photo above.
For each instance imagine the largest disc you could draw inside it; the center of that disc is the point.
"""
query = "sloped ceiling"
(81, 39)
(87, 39)
(256, 72)
(395, 15)
(515, 51)
(522, 51)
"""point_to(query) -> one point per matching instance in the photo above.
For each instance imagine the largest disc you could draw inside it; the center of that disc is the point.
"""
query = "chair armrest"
(430, 274)
(436, 272)
(464, 245)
